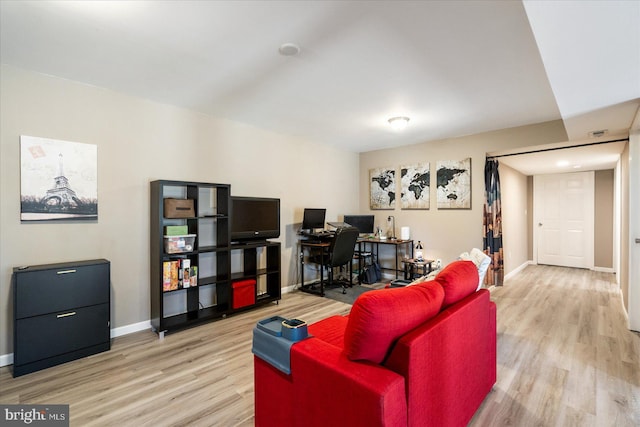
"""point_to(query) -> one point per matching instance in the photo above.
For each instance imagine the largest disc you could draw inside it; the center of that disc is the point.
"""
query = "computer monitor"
(313, 218)
(364, 223)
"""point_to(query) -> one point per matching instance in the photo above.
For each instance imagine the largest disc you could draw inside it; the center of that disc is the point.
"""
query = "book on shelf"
(185, 268)
(170, 275)
(193, 275)
(166, 276)
(175, 273)
(178, 274)
(176, 230)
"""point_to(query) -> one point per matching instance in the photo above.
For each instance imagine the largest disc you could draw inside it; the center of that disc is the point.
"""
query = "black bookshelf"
(210, 297)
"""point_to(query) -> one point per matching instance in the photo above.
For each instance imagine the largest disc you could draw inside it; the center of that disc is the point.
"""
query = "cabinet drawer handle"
(71, 313)
(66, 271)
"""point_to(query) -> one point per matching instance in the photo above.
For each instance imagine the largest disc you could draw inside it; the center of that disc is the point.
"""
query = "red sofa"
(422, 355)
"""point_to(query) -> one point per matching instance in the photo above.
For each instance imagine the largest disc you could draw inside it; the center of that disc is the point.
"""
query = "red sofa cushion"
(380, 317)
(458, 279)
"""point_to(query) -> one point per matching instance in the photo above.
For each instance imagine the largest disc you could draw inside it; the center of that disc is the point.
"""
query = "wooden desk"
(375, 243)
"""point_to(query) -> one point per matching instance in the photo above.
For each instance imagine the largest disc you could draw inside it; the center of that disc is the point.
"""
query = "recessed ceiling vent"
(598, 133)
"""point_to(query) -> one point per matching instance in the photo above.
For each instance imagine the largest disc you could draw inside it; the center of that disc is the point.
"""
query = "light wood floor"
(565, 358)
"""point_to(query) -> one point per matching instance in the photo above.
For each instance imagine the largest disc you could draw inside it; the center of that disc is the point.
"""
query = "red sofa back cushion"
(458, 279)
(378, 318)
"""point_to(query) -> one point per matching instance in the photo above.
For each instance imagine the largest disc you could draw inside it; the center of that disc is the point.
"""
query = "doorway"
(564, 219)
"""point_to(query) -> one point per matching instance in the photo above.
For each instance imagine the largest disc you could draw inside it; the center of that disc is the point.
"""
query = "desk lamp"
(392, 218)
(419, 251)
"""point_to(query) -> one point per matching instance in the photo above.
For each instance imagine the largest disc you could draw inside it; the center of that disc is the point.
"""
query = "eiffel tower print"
(61, 196)
(72, 166)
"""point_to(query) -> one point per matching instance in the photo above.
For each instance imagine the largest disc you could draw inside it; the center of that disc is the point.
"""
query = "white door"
(563, 208)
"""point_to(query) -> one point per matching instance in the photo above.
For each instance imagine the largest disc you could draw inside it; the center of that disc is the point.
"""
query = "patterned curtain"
(492, 224)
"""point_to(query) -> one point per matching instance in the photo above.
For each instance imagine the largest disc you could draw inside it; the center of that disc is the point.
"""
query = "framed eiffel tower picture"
(58, 180)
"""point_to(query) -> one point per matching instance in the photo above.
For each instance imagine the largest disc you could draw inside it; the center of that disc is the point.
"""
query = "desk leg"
(395, 267)
(359, 263)
(321, 272)
(301, 268)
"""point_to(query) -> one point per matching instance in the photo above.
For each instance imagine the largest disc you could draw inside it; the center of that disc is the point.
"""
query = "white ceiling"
(454, 67)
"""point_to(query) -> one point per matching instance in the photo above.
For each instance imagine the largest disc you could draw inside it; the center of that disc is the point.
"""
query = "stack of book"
(178, 274)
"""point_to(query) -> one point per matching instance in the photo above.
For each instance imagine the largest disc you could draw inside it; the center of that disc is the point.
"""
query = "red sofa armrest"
(329, 389)
(272, 408)
(449, 362)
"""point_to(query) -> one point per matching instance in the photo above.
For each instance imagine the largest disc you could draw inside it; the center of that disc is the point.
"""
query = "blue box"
(272, 325)
(294, 329)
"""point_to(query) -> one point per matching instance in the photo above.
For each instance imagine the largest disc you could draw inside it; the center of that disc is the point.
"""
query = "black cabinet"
(61, 313)
(205, 246)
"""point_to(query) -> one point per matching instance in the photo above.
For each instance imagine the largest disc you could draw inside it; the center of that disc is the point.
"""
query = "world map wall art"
(454, 184)
(414, 186)
(382, 182)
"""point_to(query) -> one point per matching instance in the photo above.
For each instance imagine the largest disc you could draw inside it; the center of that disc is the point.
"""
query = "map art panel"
(414, 186)
(383, 188)
(454, 184)
(58, 180)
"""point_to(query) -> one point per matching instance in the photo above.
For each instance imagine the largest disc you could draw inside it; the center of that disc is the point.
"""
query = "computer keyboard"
(319, 234)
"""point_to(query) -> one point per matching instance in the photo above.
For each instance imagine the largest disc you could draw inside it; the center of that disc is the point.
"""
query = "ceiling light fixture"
(289, 49)
(399, 123)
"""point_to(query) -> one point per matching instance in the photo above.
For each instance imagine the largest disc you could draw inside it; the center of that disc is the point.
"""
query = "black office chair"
(340, 253)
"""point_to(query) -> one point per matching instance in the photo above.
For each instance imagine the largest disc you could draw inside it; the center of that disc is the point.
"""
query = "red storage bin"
(244, 293)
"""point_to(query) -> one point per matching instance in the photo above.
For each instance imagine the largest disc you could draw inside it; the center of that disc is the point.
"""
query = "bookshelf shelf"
(209, 295)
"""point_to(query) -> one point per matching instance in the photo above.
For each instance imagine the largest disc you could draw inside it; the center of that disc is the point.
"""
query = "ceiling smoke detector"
(598, 133)
(289, 49)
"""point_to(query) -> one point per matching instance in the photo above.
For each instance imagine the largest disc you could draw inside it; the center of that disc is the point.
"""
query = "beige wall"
(447, 233)
(515, 226)
(140, 141)
(603, 219)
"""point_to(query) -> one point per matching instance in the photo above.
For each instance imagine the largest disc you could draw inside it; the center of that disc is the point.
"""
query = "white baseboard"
(517, 270)
(6, 359)
(129, 329)
(288, 289)
(604, 269)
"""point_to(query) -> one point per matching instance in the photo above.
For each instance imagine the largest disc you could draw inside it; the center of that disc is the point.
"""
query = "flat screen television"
(254, 218)
(313, 218)
(364, 223)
